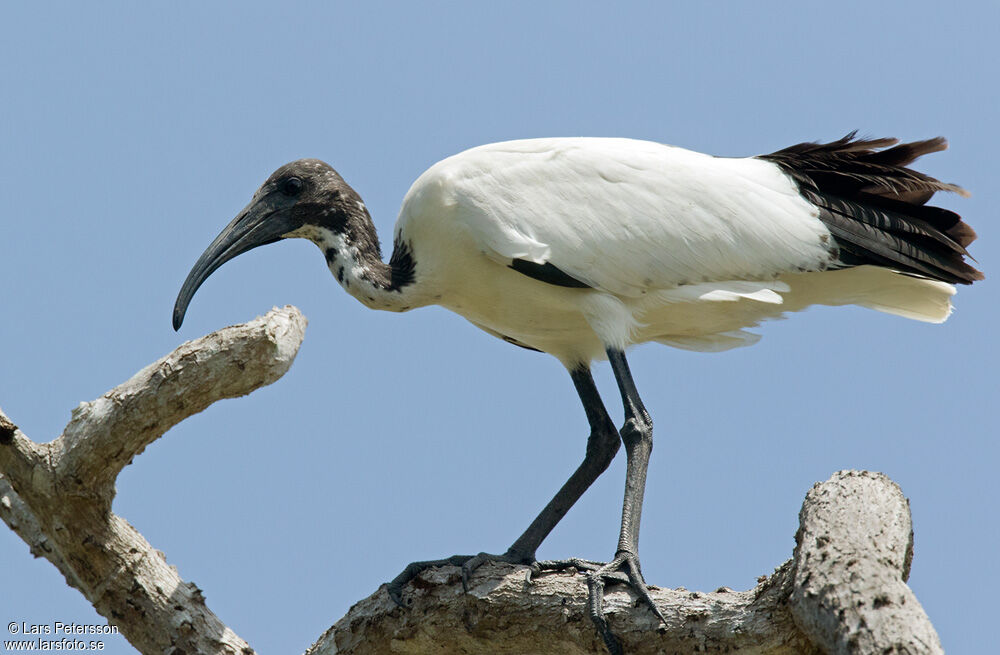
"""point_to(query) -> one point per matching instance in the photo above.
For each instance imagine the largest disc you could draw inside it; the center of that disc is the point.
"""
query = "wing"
(628, 216)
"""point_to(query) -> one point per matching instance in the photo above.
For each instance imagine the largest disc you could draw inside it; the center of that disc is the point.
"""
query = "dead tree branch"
(57, 496)
(842, 592)
(853, 553)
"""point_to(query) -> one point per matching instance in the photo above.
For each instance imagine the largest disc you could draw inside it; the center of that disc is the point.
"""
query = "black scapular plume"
(875, 206)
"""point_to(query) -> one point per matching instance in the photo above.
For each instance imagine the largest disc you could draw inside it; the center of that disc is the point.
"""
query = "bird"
(581, 247)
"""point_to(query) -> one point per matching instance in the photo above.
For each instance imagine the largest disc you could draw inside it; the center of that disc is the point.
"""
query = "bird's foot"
(508, 558)
(469, 564)
(624, 568)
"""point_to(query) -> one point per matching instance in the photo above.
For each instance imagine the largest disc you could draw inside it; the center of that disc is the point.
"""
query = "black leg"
(637, 434)
(602, 445)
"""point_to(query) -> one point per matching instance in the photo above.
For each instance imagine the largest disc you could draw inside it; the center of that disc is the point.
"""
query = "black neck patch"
(402, 266)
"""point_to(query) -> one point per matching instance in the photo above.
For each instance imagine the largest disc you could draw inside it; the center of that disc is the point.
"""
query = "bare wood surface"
(844, 590)
(16, 514)
(848, 572)
(502, 613)
(853, 554)
(57, 496)
(103, 436)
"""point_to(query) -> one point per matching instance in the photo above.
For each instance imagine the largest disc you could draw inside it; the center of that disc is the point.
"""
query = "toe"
(470, 566)
(595, 609)
(639, 584)
(413, 569)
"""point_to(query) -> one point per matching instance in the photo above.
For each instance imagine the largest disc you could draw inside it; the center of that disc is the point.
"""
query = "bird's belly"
(523, 310)
(709, 316)
(553, 319)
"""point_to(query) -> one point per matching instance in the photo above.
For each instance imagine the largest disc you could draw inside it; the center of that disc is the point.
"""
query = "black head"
(304, 192)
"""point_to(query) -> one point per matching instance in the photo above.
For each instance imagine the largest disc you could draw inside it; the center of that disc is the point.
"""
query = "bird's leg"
(602, 445)
(637, 434)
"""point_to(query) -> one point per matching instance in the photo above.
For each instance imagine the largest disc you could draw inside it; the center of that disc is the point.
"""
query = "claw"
(395, 595)
(595, 587)
(632, 577)
(597, 575)
(571, 563)
(639, 584)
(469, 564)
(469, 567)
(413, 569)
(533, 569)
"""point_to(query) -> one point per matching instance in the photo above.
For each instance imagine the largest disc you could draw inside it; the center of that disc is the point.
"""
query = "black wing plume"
(875, 206)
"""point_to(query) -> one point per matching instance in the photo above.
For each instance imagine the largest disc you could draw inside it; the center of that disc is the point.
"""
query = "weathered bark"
(503, 613)
(853, 552)
(843, 591)
(57, 496)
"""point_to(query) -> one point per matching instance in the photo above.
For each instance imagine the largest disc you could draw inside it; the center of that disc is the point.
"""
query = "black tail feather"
(875, 206)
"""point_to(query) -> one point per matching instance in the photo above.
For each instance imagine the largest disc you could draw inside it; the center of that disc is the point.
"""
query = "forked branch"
(57, 496)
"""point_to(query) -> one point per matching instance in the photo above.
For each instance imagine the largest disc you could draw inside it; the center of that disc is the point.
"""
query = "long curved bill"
(260, 223)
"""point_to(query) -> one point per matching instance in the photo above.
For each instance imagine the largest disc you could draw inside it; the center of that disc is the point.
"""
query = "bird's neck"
(354, 257)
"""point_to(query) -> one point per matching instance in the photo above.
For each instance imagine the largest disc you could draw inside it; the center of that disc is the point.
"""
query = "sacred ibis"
(582, 247)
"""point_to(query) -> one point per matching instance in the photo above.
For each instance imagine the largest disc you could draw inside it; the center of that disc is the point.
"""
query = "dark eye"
(292, 186)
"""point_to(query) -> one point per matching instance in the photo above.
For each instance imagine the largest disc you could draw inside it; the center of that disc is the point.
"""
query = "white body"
(680, 247)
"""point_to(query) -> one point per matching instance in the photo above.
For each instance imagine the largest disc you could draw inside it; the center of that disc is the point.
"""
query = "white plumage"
(679, 247)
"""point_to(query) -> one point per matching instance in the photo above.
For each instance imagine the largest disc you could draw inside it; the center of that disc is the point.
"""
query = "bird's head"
(295, 200)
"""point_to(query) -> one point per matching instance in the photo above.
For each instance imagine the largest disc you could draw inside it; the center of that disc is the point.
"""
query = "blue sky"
(132, 134)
